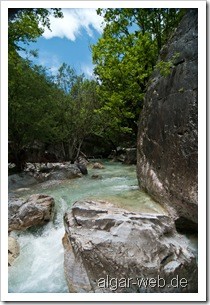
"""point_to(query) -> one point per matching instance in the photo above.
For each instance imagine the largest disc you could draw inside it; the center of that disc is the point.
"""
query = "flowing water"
(39, 267)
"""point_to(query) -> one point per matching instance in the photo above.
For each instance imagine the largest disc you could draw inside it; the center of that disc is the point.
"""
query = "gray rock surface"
(130, 156)
(167, 145)
(36, 210)
(105, 246)
(22, 180)
(57, 171)
(39, 172)
(82, 168)
(13, 250)
(66, 172)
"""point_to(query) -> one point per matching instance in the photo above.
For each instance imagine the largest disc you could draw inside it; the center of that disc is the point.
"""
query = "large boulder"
(21, 180)
(167, 147)
(40, 172)
(66, 172)
(106, 246)
(35, 211)
(56, 171)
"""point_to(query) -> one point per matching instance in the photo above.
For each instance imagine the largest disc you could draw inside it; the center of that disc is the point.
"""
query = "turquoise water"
(39, 267)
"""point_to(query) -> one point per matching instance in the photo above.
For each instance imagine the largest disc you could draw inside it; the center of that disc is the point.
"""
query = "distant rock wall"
(167, 145)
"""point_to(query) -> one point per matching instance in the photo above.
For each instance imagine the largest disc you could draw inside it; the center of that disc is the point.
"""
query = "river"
(39, 267)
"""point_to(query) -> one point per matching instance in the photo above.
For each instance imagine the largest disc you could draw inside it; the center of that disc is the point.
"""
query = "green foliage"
(76, 115)
(26, 25)
(165, 67)
(41, 110)
(31, 105)
(67, 108)
(30, 102)
(65, 77)
(31, 92)
(125, 57)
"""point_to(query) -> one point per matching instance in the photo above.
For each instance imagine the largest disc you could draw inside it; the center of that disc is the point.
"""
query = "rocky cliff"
(167, 140)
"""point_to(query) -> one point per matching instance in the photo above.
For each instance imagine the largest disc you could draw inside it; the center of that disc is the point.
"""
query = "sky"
(69, 41)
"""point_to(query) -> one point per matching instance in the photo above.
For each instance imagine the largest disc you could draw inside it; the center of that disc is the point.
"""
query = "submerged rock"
(106, 246)
(36, 210)
(167, 165)
(98, 165)
(96, 176)
(13, 250)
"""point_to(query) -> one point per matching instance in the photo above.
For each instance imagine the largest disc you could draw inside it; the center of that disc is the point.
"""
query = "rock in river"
(21, 180)
(13, 250)
(36, 210)
(106, 246)
(98, 165)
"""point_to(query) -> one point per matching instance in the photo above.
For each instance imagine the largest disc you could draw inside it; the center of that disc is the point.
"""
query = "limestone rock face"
(13, 250)
(36, 210)
(106, 246)
(167, 145)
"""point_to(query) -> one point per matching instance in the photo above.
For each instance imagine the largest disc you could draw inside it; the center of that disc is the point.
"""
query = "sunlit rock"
(13, 250)
(106, 246)
(36, 210)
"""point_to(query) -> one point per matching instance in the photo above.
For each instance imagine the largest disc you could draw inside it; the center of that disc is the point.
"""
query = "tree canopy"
(66, 108)
(125, 57)
(43, 108)
(26, 25)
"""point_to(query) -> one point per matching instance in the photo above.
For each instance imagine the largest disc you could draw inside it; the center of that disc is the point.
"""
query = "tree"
(42, 108)
(26, 25)
(30, 89)
(76, 117)
(31, 108)
(125, 57)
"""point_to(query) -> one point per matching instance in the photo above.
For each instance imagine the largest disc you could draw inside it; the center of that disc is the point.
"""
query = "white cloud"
(87, 70)
(50, 61)
(73, 22)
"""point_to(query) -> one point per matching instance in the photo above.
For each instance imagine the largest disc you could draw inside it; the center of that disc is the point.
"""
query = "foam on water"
(39, 268)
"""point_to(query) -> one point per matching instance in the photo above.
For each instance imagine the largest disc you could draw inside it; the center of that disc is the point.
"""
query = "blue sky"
(69, 41)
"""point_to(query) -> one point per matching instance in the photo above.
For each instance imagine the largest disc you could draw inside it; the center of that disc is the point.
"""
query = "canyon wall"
(167, 147)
